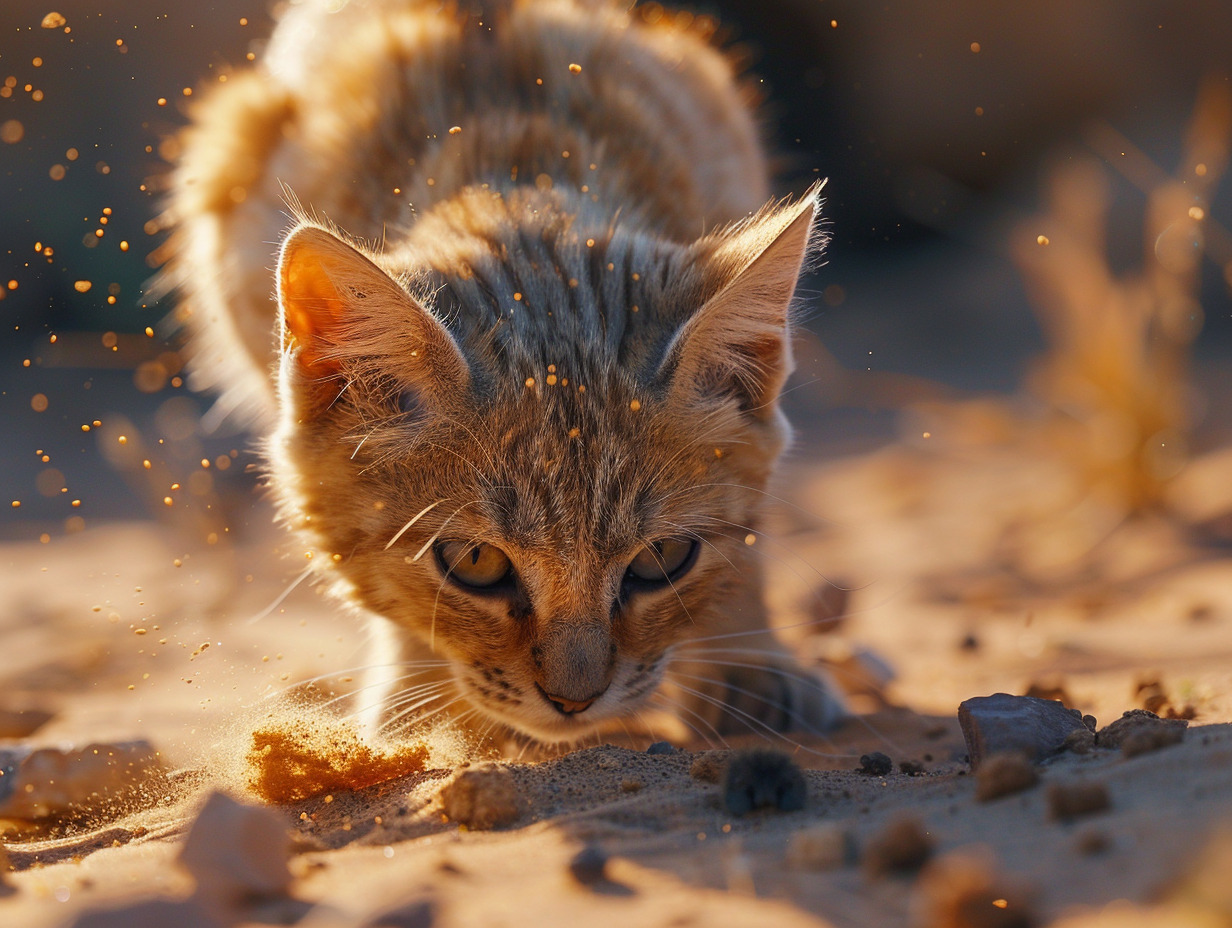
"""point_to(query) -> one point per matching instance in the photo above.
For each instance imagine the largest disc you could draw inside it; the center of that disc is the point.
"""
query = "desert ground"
(124, 634)
(1012, 475)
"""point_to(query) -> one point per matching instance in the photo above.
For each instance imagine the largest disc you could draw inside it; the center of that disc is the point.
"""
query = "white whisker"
(281, 596)
(419, 515)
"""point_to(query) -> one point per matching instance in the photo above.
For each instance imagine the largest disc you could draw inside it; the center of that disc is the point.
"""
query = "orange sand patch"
(301, 760)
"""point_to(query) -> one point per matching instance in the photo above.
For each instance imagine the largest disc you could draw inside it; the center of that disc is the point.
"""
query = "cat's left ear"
(739, 342)
(339, 309)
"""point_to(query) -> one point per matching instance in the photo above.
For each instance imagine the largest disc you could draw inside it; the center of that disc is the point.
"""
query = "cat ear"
(336, 305)
(739, 342)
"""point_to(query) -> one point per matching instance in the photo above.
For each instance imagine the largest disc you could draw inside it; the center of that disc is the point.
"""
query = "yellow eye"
(664, 560)
(477, 565)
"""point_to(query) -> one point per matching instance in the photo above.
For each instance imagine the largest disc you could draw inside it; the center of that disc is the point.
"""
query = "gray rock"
(1001, 723)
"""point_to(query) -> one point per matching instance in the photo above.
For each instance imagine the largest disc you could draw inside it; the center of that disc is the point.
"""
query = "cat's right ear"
(340, 313)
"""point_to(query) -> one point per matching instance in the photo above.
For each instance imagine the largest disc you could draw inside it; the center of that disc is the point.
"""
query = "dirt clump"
(1077, 798)
(1140, 731)
(1004, 774)
(903, 846)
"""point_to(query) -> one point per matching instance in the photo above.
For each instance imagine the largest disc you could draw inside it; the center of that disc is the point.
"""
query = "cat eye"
(481, 566)
(663, 560)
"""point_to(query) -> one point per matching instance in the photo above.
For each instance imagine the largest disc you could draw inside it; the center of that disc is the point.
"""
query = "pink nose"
(568, 706)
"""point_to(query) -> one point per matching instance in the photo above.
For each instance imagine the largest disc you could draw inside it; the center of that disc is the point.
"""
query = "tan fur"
(562, 337)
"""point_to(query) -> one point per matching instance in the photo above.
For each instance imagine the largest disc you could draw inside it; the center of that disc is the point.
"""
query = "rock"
(482, 797)
(48, 782)
(1139, 731)
(1034, 728)
(761, 779)
(901, 847)
(661, 747)
(1076, 798)
(1002, 775)
(237, 852)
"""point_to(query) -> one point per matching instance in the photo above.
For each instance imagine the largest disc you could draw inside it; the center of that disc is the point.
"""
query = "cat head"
(537, 444)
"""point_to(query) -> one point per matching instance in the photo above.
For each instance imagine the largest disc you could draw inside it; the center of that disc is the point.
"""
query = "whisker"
(390, 723)
(425, 691)
(760, 697)
(816, 684)
(437, 534)
(751, 721)
(281, 596)
(678, 706)
(419, 515)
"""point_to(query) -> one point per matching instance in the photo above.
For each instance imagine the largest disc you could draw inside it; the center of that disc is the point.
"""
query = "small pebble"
(821, 847)
(1004, 774)
(661, 747)
(708, 766)
(482, 797)
(588, 866)
(875, 764)
(236, 851)
(1091, 841)
(1076, 798)
(901, 847)
(1080, 741)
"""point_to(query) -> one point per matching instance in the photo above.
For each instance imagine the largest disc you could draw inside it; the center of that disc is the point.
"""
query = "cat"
(528, 328)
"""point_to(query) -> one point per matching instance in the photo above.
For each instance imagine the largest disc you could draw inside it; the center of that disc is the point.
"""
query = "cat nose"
(569, 706)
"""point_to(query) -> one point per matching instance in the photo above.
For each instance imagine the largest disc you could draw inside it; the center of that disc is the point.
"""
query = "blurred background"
(942, 129)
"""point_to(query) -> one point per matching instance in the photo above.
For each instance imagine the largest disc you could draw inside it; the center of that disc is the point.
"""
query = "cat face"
(549, 513)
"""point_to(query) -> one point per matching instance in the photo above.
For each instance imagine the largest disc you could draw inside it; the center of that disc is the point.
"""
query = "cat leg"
(378, 680)
(398, 668)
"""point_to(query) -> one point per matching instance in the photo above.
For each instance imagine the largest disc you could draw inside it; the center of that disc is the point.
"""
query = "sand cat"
(528, 326)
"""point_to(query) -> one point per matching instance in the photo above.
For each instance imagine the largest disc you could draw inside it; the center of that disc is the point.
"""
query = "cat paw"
(777, 695)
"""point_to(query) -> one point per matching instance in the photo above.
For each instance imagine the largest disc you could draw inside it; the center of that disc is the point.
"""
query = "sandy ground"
(966, 566)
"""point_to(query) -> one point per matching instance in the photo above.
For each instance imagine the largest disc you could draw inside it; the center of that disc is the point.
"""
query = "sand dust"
(306, 759)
